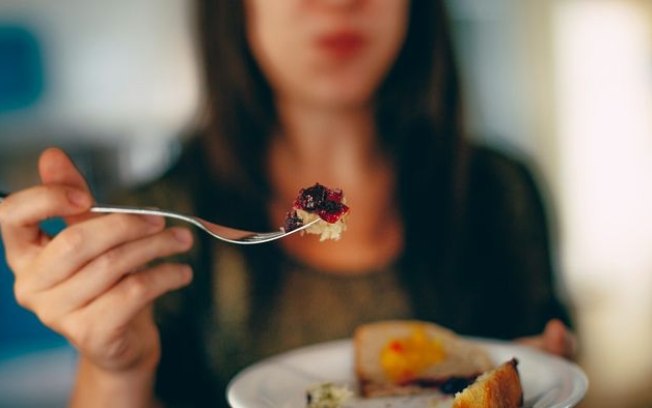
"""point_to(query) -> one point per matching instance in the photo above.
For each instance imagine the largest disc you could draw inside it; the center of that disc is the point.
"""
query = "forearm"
(98, 388)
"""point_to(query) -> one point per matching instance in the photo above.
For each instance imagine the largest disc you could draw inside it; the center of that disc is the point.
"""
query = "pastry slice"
(412, 357)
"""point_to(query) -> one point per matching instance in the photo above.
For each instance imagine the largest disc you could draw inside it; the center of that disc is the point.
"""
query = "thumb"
(559, 340)
(556, 339)
(55, 167)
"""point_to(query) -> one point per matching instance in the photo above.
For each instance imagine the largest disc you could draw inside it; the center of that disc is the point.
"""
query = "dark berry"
(454, 385)
(292, 221)
(312, 198)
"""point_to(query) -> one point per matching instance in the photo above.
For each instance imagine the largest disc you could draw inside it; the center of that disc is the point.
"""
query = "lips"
(341, 44)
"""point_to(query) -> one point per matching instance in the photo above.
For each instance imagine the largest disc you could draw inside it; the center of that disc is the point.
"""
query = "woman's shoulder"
(504, 184)
(499, 170)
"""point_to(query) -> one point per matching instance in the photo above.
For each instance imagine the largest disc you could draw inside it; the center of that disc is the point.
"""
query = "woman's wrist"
(126, 388)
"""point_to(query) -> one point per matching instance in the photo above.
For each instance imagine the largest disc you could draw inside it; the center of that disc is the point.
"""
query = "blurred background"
(566, 84)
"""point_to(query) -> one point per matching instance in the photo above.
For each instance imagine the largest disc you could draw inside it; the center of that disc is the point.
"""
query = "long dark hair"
(418, 114)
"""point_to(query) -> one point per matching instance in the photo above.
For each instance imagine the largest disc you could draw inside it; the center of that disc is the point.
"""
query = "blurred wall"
(603, 109)
(115, 77)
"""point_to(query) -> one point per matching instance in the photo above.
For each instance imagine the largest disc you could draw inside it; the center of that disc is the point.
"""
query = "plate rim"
(578, 376)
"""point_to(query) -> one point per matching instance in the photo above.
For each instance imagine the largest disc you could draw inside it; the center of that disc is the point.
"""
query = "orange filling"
(404, 359)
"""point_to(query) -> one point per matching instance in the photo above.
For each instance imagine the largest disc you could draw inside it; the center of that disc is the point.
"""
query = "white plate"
(281, 381)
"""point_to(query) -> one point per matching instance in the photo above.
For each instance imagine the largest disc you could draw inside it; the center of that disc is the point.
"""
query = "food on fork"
(322, 203)
(411, 357)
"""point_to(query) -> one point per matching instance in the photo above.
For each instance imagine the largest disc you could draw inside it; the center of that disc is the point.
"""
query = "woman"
(357, 94)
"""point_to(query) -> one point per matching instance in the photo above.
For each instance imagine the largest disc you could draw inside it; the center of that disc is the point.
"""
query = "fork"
(221, 232)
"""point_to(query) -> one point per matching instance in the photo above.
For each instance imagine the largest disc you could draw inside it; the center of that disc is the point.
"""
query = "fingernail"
(78, 198)
(182, 235)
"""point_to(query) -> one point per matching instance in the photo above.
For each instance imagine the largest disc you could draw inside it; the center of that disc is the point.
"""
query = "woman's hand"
(556, 339)
(91, 283)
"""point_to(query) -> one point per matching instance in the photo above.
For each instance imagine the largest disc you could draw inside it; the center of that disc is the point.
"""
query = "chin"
(343, 97)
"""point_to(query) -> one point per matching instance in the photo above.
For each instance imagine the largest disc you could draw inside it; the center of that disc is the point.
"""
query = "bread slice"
(411, 357)
(498, 388)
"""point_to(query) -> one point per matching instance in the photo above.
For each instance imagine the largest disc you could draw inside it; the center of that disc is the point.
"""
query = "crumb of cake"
(327, 395)
(319, 203)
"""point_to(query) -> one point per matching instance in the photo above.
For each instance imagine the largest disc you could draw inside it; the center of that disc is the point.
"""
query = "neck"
(324, 138)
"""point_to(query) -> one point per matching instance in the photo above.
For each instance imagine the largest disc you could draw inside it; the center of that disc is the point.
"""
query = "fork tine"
(263, 237)
(268, 234)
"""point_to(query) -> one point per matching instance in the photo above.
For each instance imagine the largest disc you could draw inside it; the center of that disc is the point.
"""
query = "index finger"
(55, 167)
(22, 212)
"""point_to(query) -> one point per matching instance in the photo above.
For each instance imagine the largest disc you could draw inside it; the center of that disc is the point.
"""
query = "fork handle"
(100, 208)
(103, 209)
(125, 209)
